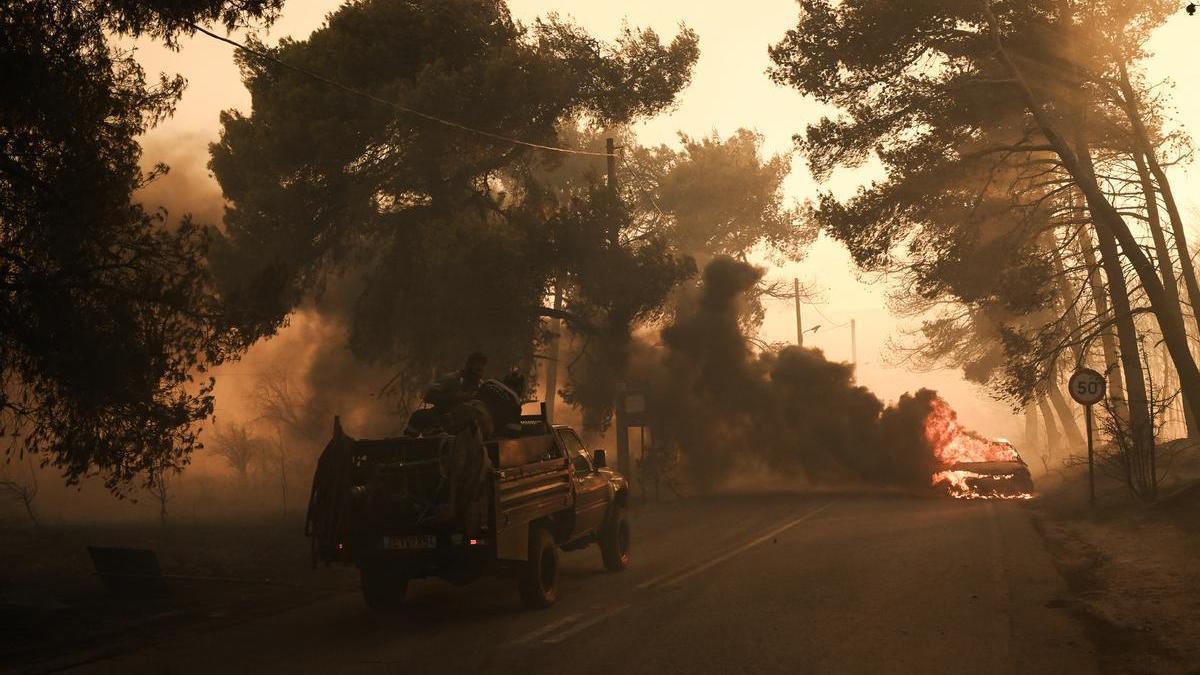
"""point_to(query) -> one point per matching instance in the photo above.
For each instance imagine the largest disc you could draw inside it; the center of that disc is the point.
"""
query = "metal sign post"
(1087, 388)
(630, 412)
(1091, 459)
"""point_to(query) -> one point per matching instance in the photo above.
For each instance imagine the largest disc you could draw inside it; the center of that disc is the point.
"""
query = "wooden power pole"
(552, 361)
(614, 227)
(854, 348)
(614, 239)
(799, 323)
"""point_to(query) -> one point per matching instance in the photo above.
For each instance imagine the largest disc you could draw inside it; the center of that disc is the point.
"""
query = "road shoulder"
(1133, 574)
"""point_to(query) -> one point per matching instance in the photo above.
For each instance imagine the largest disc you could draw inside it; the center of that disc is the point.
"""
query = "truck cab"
(593, 485)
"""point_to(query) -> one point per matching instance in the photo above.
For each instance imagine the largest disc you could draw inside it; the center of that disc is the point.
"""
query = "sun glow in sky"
(729, 90)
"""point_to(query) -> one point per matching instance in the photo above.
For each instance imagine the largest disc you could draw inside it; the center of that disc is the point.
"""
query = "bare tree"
(22, 488)
(279, 457)
(238, 447)
(156, 485)
(279, 402)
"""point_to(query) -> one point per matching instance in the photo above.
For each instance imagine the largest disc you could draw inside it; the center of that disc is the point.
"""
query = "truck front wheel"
(382, 588)
(538, 582)
(614, 540)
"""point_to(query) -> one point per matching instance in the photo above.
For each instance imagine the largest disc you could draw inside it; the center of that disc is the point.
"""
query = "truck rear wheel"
(614, 540)
(382, 588)
(538, 582)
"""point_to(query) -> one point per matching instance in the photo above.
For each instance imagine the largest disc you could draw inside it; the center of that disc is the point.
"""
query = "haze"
(283, 409)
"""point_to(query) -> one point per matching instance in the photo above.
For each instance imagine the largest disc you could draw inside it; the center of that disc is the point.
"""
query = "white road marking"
(571, 625)
(585, 625)
(550, 627)
(672, 578)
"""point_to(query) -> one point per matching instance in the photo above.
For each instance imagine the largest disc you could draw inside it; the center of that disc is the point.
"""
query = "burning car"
(971, 466)
(1008, 479)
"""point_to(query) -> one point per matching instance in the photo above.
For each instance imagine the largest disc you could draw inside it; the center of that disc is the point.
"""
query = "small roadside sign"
(1086, 386)
(635, 403)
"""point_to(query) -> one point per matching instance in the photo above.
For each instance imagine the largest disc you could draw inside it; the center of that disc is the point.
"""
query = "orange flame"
(952, 443)
(959, 485)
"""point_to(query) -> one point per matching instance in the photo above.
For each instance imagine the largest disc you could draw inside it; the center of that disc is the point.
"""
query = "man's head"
(516, 381)
(476, 363)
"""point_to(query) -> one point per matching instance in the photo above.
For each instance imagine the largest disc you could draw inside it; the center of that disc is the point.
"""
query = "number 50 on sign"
(1086, 386)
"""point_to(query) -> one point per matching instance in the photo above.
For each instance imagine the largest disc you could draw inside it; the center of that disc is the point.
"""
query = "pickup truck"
(459, 507)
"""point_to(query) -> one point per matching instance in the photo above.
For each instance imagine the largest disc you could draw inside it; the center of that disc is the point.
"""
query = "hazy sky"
(729, 90)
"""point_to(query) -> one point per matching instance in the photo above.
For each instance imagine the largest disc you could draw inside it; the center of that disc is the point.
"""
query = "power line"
(834, 325)
(391, 104)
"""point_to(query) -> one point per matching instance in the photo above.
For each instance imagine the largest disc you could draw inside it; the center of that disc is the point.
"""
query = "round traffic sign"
(1086, 386)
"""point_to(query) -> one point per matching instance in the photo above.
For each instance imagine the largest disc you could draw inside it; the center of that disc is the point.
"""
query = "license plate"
(410, 542)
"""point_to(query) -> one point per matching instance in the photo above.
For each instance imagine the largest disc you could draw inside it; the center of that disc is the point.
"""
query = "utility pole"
(614, 228)
(614, 239)
(552, 362)
(854, 348)
(799, 324)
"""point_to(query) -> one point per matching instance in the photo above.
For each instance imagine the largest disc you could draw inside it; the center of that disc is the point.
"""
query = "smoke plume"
(791, 411)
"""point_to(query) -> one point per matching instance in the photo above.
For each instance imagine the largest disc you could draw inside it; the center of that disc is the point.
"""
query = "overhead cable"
(391, 104)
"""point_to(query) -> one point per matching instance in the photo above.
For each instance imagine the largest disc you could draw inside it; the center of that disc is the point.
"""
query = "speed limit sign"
(1086, 386)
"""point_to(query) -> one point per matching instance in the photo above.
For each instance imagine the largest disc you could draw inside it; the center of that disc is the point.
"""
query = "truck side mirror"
(598, 459)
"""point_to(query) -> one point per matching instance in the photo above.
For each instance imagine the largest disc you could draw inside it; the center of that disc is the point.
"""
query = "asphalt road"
(751, 583)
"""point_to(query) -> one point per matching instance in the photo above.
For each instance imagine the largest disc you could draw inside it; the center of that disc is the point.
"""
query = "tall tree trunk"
(1068, 300)
(1170, 384)
(1141, 426)
(1165, 265)
(1051, 429)
(1065, 417)
(1186, 268)
(1112, 365)
(1111, 230)
(1147, 148)
(1031, 432)
(1070, 428)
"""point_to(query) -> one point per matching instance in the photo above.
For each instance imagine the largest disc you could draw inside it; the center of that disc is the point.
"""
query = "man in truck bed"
(406, 508)
(447, 393)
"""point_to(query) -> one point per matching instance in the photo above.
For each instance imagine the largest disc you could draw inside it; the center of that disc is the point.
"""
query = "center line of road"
(550, 627)
(585, 625)
(672, 578)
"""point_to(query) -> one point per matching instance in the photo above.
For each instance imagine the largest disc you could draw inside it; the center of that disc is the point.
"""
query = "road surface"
(787, 583)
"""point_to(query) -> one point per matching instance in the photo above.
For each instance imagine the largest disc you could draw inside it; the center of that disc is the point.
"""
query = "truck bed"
(366, 490)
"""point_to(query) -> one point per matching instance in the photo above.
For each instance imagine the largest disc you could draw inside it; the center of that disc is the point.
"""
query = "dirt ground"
(1133, 569)
(55, 612)
(53, 604)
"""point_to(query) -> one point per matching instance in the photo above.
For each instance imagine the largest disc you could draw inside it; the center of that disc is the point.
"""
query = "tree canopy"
(719, 196)
(457, 236)
(106, 311)
(977, 176)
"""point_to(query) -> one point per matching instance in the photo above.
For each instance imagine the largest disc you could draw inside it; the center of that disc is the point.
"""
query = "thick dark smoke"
(792, 411)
